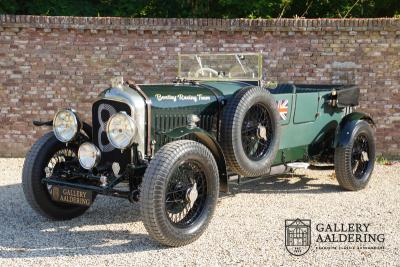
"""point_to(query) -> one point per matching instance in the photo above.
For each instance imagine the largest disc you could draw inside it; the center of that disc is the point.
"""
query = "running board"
(275, 170)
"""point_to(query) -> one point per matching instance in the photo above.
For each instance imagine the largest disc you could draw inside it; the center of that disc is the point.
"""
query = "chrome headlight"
(121, 130)
(65, 125)
(88, 155)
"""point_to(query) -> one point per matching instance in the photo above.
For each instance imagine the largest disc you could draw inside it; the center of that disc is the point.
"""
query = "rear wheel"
(179, 193)
(355, 162)
(45, 157)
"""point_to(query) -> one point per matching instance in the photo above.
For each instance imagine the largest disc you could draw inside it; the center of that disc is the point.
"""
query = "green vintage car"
(173, 147)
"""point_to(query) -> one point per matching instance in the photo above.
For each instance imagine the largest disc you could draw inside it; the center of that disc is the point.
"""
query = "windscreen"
(243, 67)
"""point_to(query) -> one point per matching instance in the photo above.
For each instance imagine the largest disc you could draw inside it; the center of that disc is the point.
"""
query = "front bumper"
(95, 183)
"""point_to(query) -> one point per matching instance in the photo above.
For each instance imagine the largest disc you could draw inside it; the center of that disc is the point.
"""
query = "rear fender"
(346, 126)
(209, 141)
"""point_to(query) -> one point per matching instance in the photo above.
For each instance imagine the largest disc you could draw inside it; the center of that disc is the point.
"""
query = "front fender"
(209, 141)
(87, 129)
(346, 125)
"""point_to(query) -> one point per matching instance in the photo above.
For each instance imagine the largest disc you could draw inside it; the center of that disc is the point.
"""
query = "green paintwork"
(183, 131)
(297, 138)
(177, 96)
(172, 103)
(306, 107)
(310, 121)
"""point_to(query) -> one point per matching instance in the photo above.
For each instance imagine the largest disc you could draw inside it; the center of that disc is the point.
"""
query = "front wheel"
(45, 157)
(179, 193)
(355, 161)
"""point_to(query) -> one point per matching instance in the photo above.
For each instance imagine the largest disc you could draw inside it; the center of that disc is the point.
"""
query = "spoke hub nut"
(192, 194)
(262, 132)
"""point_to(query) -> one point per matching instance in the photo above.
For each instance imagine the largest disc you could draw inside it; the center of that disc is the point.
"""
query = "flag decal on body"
(283, 108)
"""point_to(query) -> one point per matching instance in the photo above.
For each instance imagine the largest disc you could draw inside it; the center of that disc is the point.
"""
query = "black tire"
(231, 132)
(37, 193)
(351, 175)
(160, 177)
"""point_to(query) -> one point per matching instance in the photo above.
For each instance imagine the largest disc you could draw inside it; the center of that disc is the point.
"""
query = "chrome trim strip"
(147, 100)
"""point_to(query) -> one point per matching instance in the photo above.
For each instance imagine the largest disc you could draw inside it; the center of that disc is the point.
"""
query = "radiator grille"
(102, 110)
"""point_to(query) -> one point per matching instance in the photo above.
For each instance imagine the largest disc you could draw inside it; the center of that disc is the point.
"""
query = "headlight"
(89, 155)
(65, 125)
(121, 130)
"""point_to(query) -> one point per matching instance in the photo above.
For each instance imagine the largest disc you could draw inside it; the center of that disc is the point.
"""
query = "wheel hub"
(256, 132)
(262, 132)
(360, 156)
(364, 156)
(186, 193)
(192, 194)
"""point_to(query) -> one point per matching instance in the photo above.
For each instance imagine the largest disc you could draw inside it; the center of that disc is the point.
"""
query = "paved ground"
(248, 227)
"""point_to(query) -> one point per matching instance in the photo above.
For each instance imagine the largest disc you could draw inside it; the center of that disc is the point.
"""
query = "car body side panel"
(306, 107)
(302, 141)
(285, 107)
(308, 121)
(172, 103)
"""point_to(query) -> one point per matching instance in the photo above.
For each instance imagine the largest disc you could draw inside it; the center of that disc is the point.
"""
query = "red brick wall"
(52, 62)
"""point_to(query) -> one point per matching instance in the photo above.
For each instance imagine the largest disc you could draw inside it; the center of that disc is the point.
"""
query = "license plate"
(71, 195)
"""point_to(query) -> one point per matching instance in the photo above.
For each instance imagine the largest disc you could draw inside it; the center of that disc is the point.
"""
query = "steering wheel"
(200, 72)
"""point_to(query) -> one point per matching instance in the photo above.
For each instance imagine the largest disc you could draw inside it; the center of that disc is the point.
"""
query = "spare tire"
(250, 132)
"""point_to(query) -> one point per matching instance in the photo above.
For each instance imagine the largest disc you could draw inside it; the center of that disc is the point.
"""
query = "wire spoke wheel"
(355, 156)
(250, 132)
(49, 157)
(59, 159)
(179, 192)
(186, 194)
(257, 132)
(58, 162)
(360, 156)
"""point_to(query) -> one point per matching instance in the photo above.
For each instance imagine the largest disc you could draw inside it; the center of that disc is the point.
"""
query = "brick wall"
(53, 62)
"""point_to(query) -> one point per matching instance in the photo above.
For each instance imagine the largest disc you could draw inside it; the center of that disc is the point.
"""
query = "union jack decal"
(283, 108)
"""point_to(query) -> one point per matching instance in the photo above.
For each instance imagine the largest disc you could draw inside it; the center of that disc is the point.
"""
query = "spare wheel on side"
(250, 132)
